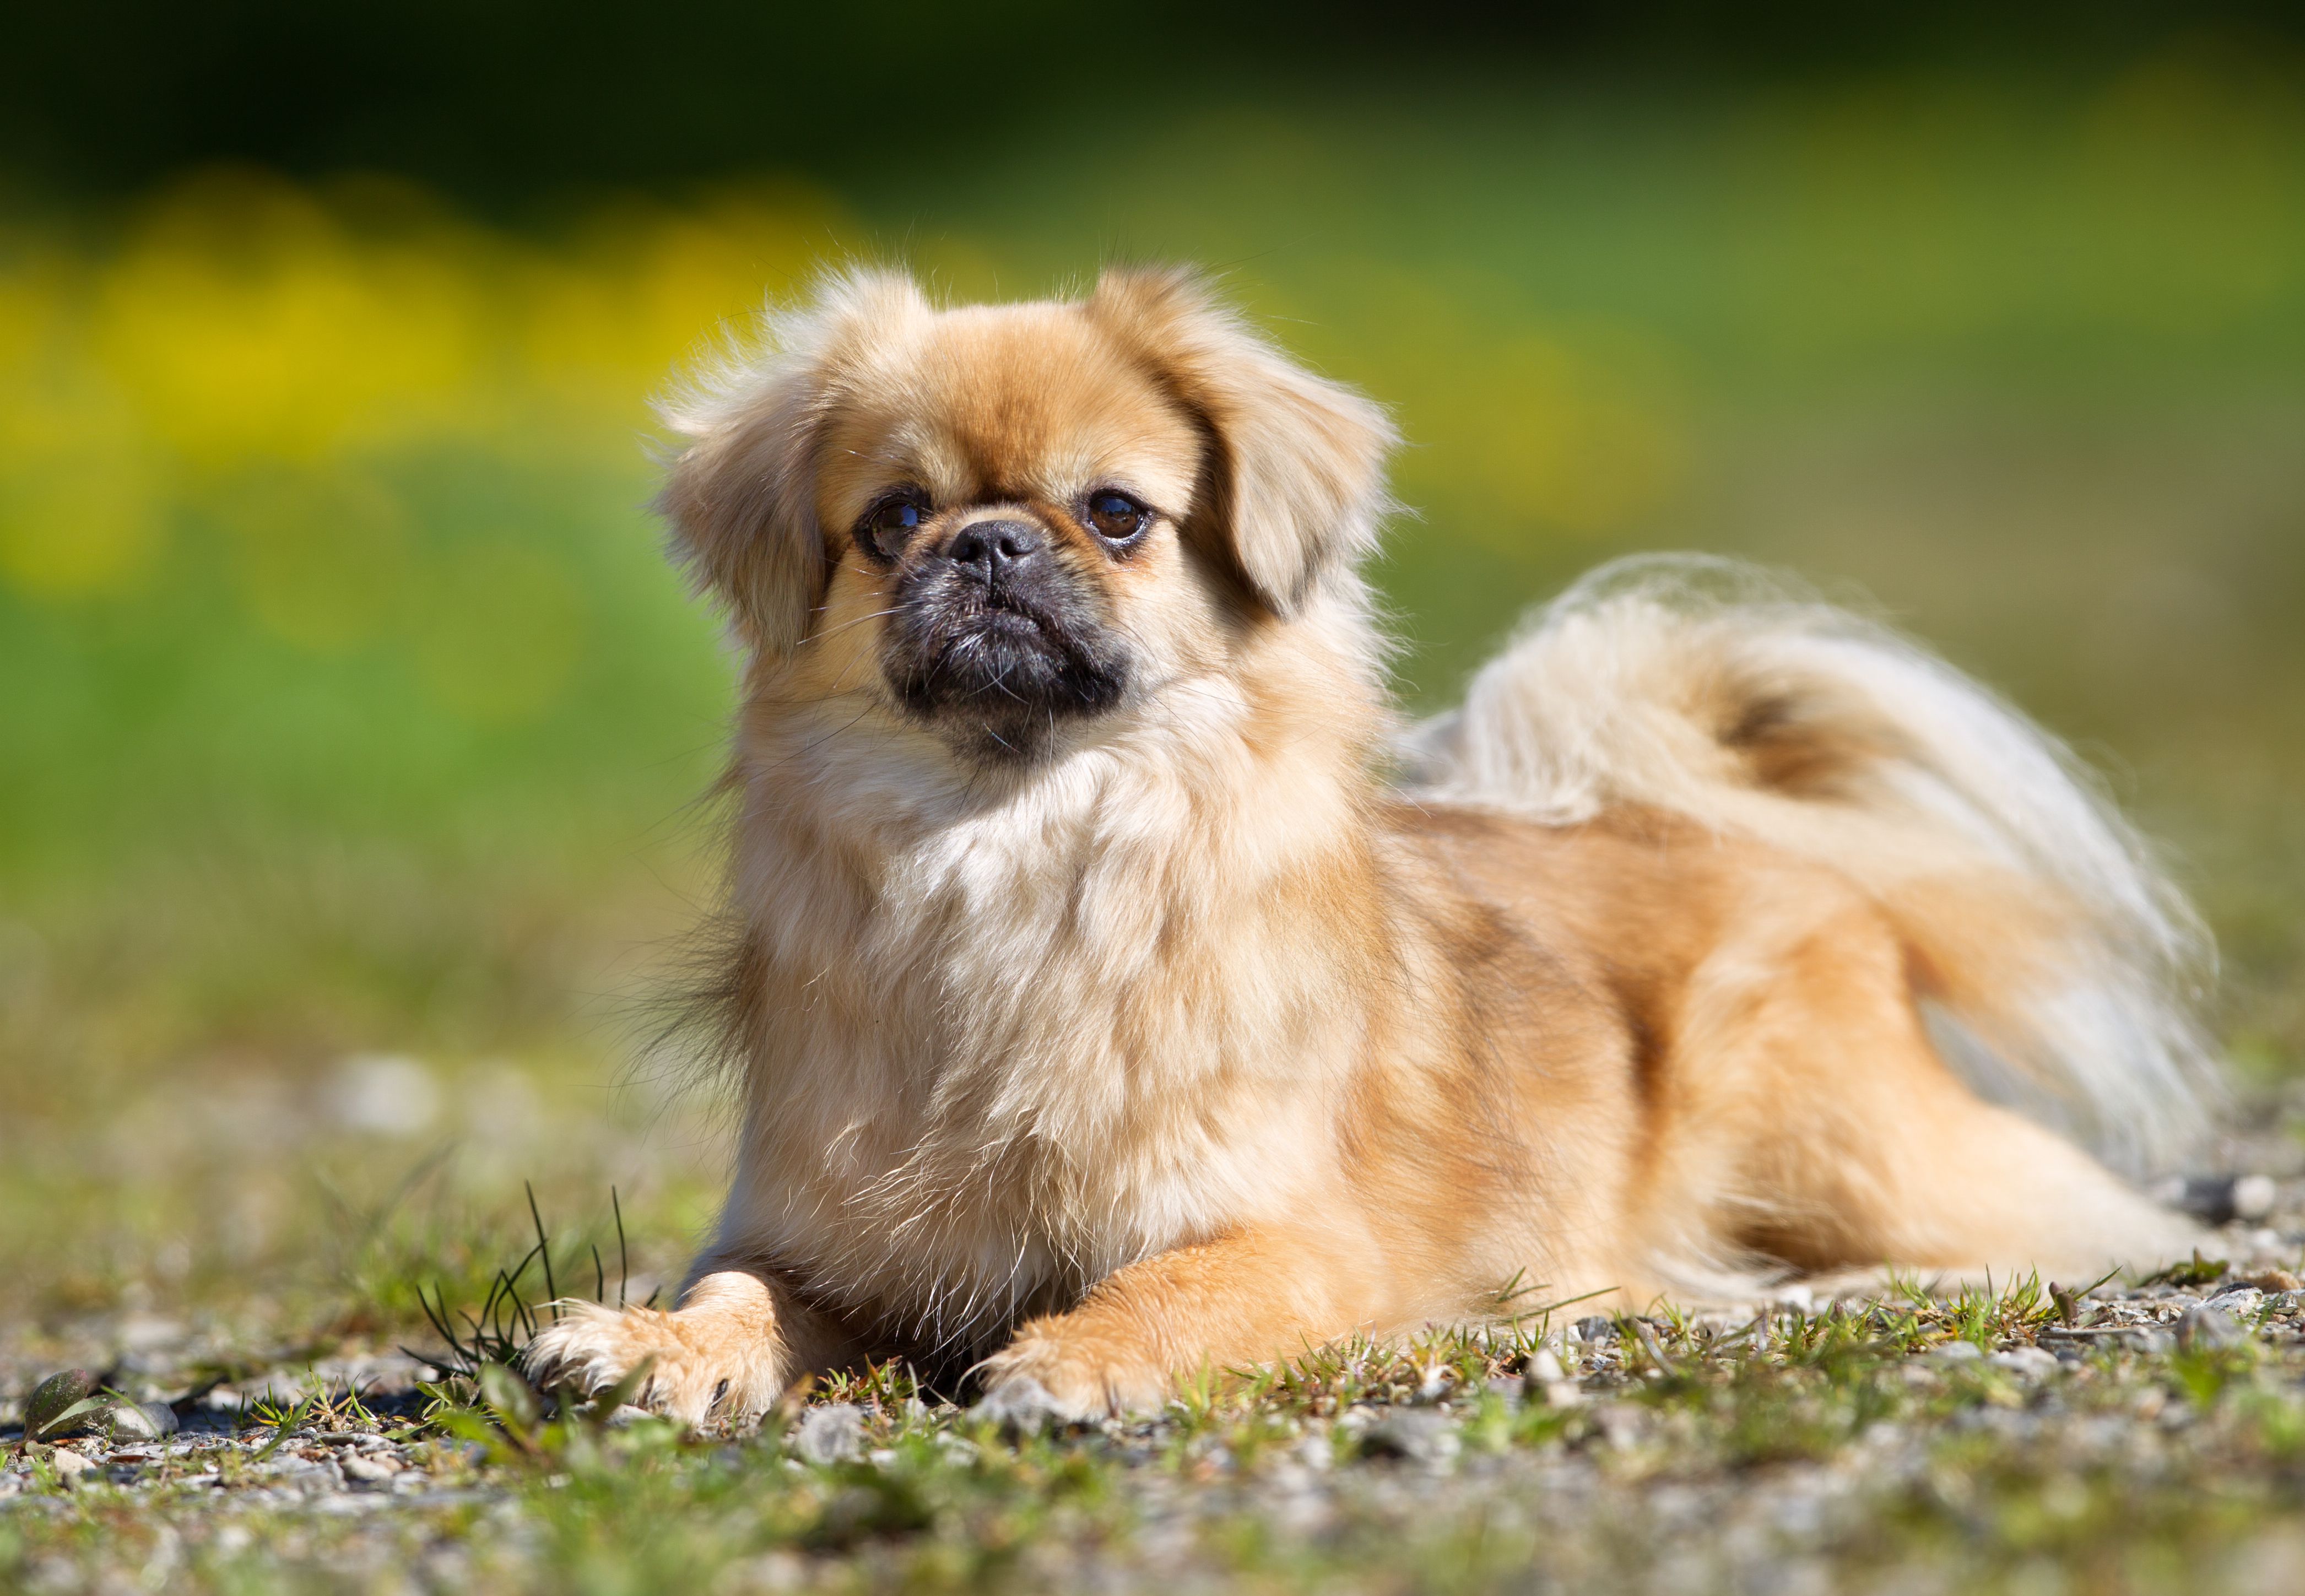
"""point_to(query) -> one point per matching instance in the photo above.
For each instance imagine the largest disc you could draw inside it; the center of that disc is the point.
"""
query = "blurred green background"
(350, 722)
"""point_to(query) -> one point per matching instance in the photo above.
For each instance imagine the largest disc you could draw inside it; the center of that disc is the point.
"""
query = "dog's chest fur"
(1002, 1045)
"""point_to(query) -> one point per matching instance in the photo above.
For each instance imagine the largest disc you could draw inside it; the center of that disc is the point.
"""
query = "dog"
(1119, 988)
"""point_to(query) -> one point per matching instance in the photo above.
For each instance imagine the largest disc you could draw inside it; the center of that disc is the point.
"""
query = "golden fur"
(1106, 1011)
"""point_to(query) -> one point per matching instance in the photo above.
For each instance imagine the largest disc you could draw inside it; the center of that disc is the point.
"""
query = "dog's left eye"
(1116, 516)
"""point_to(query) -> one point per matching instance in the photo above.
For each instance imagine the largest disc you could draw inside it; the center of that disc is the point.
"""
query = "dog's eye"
(889, 524)
(1116, 516)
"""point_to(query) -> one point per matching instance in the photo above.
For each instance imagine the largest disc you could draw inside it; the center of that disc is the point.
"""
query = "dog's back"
(2056, 967)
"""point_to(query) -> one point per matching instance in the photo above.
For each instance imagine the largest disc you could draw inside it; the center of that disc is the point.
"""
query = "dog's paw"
(1022, 1405)
(700, 1364)
(1041, 1379)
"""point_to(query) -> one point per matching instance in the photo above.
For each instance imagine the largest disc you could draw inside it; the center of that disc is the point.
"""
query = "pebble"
(833, 1434)
(141, 1421)
(2253, 1196)
(2207, 1328)
(1597, 1327)
(2242, 1302)
(69, 1464)
(1543, 1368)
(2027, 1362)
(2219, 1199)
(1417, 1434)
(1956, 1352)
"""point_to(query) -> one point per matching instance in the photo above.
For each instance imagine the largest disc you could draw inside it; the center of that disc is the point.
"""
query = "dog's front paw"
(1023, 1406)
(701, 1363)
(1041, 1379)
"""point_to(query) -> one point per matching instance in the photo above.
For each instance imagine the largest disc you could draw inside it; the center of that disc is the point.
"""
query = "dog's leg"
(737, 1340)
(1949, 1189)
(1812, 1094)
(1250, 1297)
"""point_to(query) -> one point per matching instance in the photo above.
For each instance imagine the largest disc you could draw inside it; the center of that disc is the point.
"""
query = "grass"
(1819, 1445)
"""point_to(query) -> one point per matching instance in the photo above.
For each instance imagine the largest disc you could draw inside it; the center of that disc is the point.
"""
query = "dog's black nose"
(986, 549)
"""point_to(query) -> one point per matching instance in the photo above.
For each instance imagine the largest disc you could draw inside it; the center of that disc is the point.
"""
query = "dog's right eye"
(889, 525)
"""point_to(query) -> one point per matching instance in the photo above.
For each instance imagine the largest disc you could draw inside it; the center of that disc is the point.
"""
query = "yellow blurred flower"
(82, 511)
(644, 288)
(245, 322)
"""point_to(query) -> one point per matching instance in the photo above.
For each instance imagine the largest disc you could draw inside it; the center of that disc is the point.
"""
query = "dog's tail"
(2059, 971)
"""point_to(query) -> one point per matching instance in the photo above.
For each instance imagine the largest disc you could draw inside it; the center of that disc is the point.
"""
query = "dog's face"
(1005, 523)
(1002, 505)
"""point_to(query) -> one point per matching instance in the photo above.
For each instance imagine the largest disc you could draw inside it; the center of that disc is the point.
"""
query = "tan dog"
(1104, 1012)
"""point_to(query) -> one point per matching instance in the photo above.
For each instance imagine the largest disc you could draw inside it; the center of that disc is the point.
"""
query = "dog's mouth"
(999, 662)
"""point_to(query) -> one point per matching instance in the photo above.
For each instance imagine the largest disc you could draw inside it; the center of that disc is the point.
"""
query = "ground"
(2142, 1437)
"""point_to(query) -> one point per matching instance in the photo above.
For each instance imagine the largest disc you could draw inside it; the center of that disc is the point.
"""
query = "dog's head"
(1003, 522)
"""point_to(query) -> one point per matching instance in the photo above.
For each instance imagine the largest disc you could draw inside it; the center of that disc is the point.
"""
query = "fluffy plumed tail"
(2057, 969)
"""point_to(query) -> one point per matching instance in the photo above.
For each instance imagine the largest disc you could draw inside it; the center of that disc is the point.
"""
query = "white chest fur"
(1005, 1038)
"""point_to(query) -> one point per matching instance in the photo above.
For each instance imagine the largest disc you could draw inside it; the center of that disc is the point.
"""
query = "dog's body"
(1088, 973)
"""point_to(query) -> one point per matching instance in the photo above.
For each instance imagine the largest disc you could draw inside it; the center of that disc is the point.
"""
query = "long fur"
(1733, 696)
(1102, 1040)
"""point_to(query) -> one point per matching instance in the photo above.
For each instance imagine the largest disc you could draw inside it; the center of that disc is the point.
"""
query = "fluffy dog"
(1118, 990)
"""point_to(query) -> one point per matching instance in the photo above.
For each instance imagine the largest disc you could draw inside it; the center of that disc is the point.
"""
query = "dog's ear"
(1295, 481)
(740, 493)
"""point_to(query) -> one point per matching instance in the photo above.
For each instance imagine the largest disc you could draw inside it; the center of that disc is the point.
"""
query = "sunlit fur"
(1110, 1044)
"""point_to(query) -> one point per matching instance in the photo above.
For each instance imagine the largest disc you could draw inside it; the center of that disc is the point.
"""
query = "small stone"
(1543, 1368)
(834, 1434)
(2207, 1328)
(141, 1421)
(1597, 1327)
(2147, 1339)
(69, 1464)
(371, 1471)
(2242, 1302)
(1622, 1423)
(2252, 1196)
(1563, 1393)
(2027, 1363)
(1418, 1434)
(1956, 1352)
(383, 1095)
(2208, 1198)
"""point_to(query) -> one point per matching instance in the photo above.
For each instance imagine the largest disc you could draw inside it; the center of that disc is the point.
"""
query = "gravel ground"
(1605, 1454)
(2138, 1438)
